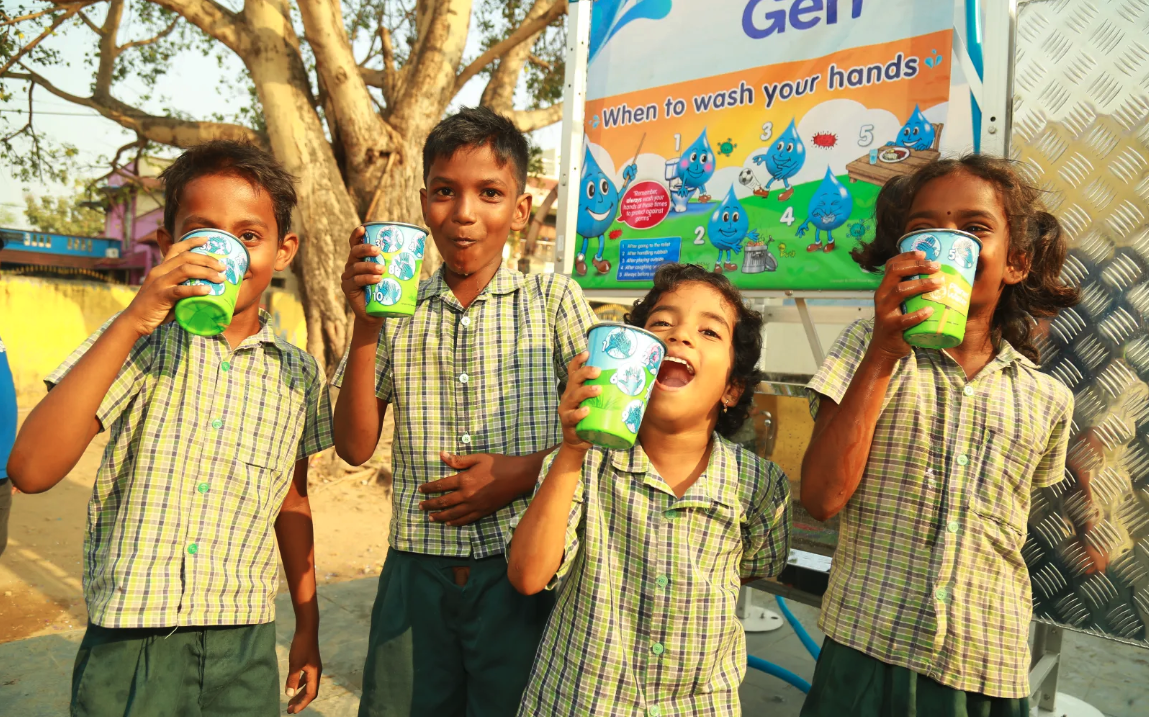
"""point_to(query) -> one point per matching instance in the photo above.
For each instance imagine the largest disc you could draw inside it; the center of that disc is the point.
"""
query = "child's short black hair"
(475, 127)
(1035, 239)
(222, 156)
(747, 337)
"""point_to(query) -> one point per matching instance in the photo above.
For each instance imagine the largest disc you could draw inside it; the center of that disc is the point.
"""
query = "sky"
(193, 86)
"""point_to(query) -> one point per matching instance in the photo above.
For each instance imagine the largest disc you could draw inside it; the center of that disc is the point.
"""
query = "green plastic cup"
(210, 314)
(956, 252)
(401, 253)
(629, 358)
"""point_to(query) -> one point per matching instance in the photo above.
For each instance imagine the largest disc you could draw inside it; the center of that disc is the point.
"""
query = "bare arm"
(358, 413)
(295, 533)
(536, 550)
(840, 445)
(62, 425)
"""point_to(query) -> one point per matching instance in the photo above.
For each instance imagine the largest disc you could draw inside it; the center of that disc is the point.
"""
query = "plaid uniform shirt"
(484, 379)
(644, 622)
(202, 448)
(928, 573)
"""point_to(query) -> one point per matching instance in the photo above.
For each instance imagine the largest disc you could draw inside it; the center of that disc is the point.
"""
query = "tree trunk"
(297, 139)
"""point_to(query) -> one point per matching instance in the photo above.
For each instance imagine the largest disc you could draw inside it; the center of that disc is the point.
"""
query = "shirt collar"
(718, 483)
(505, 281)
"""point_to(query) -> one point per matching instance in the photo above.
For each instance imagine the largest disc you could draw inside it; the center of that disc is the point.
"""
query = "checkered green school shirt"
(202, 447)
(484, 379)
(644, 622)
(928, 573)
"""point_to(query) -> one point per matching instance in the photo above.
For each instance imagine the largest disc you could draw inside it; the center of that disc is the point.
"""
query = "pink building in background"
(136, 201)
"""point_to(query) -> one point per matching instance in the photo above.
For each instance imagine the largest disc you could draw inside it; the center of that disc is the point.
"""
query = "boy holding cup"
(474, 377)
(209, 439)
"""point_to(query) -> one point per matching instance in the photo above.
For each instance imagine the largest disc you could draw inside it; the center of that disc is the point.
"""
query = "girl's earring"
(725, 408)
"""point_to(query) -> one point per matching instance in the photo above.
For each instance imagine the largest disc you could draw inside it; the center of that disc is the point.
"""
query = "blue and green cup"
(629, 358)
(956, 252)
(210, 314)
(401, 248)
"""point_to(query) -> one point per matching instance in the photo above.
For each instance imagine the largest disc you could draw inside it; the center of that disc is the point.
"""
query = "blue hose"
(780, 672)
(811, 646)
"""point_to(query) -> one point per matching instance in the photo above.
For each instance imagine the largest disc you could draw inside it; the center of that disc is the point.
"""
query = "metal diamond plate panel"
(1081, 132)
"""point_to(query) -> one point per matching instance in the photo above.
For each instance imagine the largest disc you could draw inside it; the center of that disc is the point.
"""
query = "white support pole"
(811, 331)
(998, 47)
(574, 116)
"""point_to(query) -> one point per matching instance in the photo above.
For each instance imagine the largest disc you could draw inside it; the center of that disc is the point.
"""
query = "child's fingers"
(362, 251)
(183, 291)
(570, 418)
(905, 289)
(451, 514)
(442, 485)
(901, 266)
(577, 362)
(356, 237)
(908, 321)
(291, 686)
(186, 245)
(466, 519)
(447, 500)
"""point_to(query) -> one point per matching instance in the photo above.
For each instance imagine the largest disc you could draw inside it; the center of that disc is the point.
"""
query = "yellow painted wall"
(43, 320)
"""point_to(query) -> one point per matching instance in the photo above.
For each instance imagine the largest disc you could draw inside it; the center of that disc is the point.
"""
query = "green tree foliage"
(63, 215)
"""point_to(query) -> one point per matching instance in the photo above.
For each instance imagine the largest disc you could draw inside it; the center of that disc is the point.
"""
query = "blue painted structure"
(60, 244)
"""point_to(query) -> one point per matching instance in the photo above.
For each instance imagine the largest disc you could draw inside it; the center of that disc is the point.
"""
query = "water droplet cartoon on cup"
(632, 415)
(390, 240)
(963, 252)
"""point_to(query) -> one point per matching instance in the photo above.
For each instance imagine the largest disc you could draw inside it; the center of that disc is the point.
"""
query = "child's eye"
(443, 192)
(711, 333)
(659, 322)
(249, 236)
(492, 193)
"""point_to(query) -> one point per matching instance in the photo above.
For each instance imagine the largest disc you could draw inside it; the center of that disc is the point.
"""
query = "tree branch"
(57, 6)
(526, 30)
(91, 25)
(151, 40)
(530, 120)
(47, 31)
(214, 19)
(162, 130)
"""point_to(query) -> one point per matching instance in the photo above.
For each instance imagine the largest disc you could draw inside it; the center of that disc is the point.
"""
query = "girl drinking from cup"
(652, 544)
(930, 456)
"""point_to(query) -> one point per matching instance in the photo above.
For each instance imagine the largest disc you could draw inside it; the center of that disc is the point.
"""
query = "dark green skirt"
(848, 682)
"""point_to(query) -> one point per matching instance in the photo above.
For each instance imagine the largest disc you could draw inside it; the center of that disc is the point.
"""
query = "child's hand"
(164, 286)
(889, 322)
(358, 273)
(578, 373)
(303, 670)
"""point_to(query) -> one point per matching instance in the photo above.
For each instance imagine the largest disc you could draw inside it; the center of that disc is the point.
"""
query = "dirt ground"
(40, 571)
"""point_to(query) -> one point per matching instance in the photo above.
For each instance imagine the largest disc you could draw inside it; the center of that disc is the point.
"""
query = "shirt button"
(202, 487)
(968, 390)
(225, 366)
(217, 423)
(942, 594)
(466, 439)
(193, 549)
(963, 459)
(669, 516)
(662, 581)
(653, 711)
(465, 321)
(932, 483)
(463, 378)
(657, 648)
(953, 526)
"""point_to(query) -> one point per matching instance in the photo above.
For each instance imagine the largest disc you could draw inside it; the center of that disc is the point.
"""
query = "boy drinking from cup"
(208, 446)
(474, 378)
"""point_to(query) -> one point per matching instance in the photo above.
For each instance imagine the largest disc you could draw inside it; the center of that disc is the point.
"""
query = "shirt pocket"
(268, 434)
(1001, 489)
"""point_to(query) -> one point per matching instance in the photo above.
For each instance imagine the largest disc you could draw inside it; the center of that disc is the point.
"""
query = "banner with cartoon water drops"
(752, 136)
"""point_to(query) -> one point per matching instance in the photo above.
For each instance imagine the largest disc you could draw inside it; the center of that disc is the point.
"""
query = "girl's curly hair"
(747, 338)
(1035, 240)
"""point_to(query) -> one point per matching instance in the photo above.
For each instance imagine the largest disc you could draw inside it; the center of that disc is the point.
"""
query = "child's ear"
(164, 239)
(1016, 268)
(733, 392)
(522, 212)
(288, 248)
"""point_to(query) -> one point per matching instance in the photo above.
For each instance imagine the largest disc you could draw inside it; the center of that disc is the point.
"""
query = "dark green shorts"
(440, 650)
(849, 682)
(192, 672)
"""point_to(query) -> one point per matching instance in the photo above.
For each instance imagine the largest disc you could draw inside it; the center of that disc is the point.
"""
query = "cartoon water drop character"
(402, 266)
(629, 379)
(597, 207)
(727, 227)
(917, 133)
(857, 230)
(618, 344)
(726, 148)
(388, 291)
(963, 252)
(653, 358)
(695, 168)
(830, 208)
(783, 160)
(390, 240)
(632, 414)
(417, 245)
